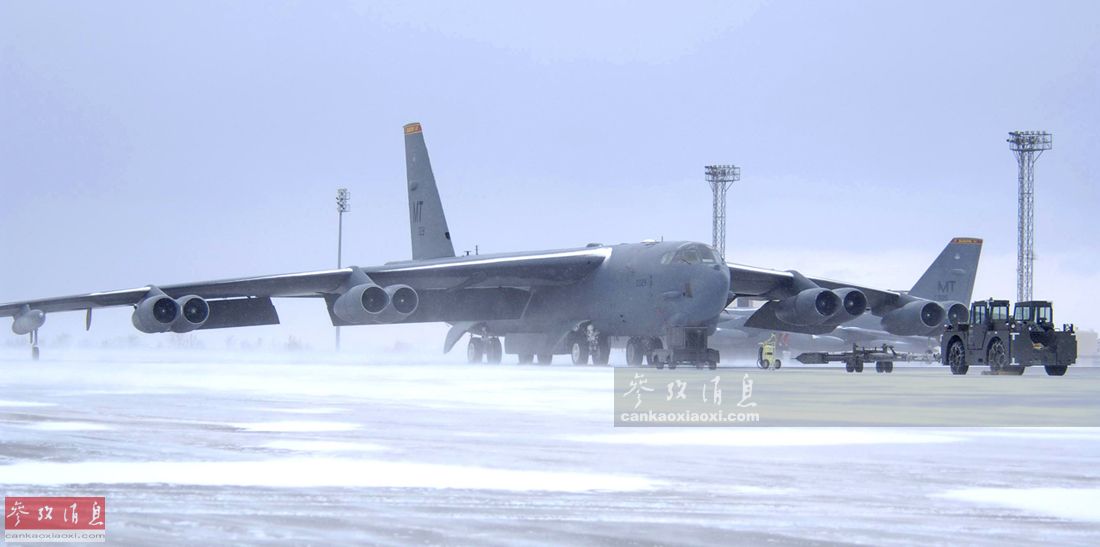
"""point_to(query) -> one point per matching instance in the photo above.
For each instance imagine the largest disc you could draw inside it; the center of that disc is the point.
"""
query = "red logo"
(54, 513)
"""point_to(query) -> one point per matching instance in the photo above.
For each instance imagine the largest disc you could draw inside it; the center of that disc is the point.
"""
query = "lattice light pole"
(1027, 146)
(343, 205)
(720, 178)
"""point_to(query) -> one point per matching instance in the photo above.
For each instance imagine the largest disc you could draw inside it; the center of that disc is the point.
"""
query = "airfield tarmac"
(302, 450)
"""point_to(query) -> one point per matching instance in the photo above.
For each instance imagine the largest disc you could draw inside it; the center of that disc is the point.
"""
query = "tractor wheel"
(956, 357)
(996, 355)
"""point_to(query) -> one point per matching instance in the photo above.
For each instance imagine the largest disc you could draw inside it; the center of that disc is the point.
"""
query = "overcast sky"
(158, 142)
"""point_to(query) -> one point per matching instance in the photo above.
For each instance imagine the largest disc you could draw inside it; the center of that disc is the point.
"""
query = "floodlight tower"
(720, 178)
(1027, 146)
(343, 205)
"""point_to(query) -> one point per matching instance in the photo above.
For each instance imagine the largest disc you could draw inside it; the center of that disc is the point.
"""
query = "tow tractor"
(883, 357)
(1008, 344)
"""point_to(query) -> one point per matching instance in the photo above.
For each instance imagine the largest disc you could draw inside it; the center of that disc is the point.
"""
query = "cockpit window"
(692, 254)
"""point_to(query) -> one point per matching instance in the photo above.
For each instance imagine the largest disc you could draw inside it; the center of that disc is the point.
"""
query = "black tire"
(635, 352)
(526, 358)
(996, 355)
(859, 366)
(579, 350)
(475, 350)
(888, 367)
(778, 364)
(713, 366)
(603, 352)
(955, 358)
(1056, 370)
(650, 345)
(849, 366)
(545, 358)
(494, 351)
(760, 358)
(878, 367)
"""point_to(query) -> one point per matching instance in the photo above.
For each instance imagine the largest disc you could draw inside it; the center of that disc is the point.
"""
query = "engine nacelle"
(194, 311)
(957, 312)
(919, 318)
(155, 314)
(403, 301)
(852, 305)
(28, 321)
(364, 303)
(809, 307)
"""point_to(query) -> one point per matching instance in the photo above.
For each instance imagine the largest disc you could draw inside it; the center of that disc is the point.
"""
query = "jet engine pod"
(364, 303)
(852, 305)
(194, 311)
(957, 312)
(28, 321)
(919, 318)
(403, 301)
(155, 314)
(809, 307)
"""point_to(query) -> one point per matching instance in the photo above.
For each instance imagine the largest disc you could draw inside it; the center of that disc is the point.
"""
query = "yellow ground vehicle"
(765, 357)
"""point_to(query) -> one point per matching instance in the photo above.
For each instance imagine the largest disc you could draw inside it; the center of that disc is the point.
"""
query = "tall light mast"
(720, 178)
(343, 205)
(1027, 146)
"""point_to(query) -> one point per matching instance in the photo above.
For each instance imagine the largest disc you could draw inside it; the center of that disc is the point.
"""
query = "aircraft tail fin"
(427, 224)
(951, 275)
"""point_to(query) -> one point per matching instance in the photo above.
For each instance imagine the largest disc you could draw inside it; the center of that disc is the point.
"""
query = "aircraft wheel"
(1056, 370)
(475, 350)
(956, 357)
(888, 367)
(849, 366)
(579, 351)
(778, 364)
(545, 358)
(858, 366)
(526, 358)
(635, 352)
(494, 351)
(878, 366)
(603, 352)
(650, 345)
(712, 365)
(671, 365)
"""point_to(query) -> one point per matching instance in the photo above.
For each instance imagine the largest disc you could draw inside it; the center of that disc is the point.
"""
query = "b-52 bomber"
(665, 298)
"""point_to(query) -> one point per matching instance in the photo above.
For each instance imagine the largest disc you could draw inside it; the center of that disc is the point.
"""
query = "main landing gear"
(639, 349)
(589, 343)
(487, 348)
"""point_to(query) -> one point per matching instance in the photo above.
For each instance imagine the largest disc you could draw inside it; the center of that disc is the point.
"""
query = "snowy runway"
(224, 451)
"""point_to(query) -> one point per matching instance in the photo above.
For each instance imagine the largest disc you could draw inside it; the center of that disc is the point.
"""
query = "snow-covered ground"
(231, 450)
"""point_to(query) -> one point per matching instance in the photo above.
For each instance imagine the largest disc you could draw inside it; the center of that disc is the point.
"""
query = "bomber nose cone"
(711, 290)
